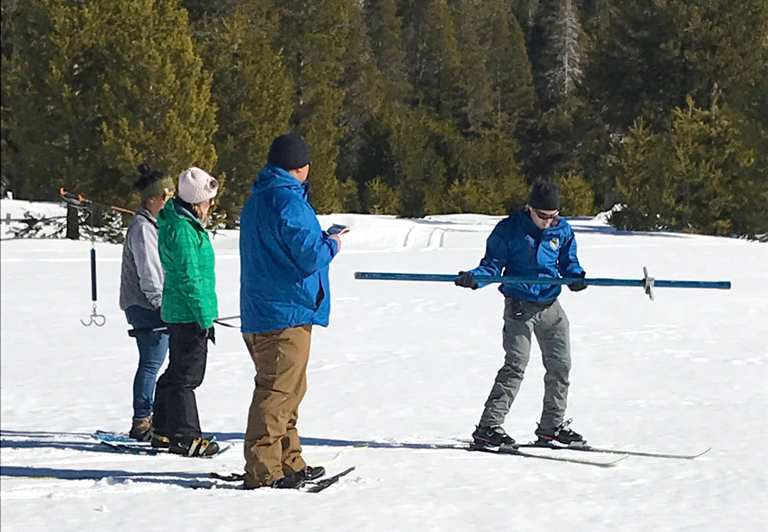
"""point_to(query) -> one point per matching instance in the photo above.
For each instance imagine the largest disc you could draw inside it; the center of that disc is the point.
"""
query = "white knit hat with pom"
(196, 186)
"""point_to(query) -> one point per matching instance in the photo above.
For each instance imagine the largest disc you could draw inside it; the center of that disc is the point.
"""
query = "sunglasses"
(544, 216)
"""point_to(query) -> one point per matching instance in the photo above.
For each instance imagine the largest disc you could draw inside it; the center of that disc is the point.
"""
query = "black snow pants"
(175, 406)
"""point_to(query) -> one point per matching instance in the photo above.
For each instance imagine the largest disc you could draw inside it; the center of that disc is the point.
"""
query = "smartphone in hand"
(337, 229)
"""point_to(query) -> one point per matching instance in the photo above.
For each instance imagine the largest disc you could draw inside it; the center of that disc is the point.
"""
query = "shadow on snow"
(82, 441)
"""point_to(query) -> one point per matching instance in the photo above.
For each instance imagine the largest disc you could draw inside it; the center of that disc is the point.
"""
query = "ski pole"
(220, 321)
(133, 333)
(81, 202)
(647, 283)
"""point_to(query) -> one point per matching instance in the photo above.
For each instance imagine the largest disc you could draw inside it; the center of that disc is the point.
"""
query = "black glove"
(210, 334)
(466, 280)
(578, 286)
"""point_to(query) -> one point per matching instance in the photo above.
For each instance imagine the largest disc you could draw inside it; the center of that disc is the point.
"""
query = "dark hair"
(147, 176)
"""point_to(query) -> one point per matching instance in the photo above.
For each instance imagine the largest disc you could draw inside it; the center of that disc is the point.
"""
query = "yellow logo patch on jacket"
(554, 243)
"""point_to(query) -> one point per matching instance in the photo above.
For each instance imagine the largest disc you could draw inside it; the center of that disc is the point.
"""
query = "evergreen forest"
(411, 108)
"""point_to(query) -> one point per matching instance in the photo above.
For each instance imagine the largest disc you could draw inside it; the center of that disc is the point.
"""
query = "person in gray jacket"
(141, 293)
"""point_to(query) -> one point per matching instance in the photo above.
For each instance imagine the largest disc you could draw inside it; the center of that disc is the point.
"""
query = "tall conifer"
(364, 96)
(314, 36)
(557, 51)
(509, 67)
(469, 18)
(384, 28)
(254, 95)
(121, 84)
(432, 58)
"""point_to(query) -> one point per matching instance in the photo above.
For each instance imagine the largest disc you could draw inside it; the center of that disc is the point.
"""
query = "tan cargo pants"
(272, 446)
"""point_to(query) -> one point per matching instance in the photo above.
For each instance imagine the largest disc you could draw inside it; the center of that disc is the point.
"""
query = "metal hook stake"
(95, 318)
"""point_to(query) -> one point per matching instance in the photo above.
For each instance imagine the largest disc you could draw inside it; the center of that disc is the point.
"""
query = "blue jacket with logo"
(284, 256)
(518, 248)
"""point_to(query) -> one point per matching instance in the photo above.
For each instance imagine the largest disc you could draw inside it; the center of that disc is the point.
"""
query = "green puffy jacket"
(189, 290)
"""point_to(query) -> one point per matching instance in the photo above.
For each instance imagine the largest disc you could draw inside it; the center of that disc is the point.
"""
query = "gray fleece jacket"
(141, 278)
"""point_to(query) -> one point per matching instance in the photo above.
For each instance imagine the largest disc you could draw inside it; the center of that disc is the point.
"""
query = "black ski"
(147, 450)
(326, 482)
(314, 486)
(228, 477)
(514, 450)
(600, 450)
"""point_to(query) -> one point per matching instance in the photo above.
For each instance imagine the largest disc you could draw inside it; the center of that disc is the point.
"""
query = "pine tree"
(724, 44)
(693, 176)
(26, 50)
(469, 17)
(254, 95)
(488, 177)
(314, 37)
(380, 198)
(365, 94)
(557, 52)
(420, 148)
(576, 195)
(509, 66)
(432, 59)
(384, 28)
(553, 142)
(119, 84)
(694, 44)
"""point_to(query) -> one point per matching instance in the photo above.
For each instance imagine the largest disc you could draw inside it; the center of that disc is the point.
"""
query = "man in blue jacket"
(534, 242)
(284, 291)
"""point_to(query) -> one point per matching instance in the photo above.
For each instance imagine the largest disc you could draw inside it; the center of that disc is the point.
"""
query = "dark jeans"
(153, 347)
(175, 405)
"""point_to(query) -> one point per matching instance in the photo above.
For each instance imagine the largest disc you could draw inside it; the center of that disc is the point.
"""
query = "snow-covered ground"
(401, 363)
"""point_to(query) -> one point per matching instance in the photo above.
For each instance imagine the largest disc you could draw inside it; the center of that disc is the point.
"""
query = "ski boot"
(488, 437)
(141, 429)
(193, 446)
(313, 473)
(299, 478)
(562, 434)
(160, 442)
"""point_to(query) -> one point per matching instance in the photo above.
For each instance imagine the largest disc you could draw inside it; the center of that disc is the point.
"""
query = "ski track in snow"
(403, 369)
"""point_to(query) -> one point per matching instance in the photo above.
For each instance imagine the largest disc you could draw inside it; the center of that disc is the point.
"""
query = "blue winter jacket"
(284, 256)
(518, 248)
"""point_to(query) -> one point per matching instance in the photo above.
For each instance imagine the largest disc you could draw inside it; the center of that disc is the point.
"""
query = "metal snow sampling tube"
(648, 283)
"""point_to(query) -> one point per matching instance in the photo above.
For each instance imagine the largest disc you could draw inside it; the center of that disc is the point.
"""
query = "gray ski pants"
(550, 325)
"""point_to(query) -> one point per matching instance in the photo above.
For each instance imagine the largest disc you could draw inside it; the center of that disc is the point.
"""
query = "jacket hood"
(174, 214)
(272, 176)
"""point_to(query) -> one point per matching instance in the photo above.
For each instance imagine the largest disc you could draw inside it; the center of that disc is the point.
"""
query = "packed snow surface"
(403, 365)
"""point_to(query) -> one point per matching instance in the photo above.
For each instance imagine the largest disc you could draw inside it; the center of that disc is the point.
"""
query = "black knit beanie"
(289, 152)
(545, 196)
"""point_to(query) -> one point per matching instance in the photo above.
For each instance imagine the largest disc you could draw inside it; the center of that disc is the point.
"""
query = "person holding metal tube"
(533, 242)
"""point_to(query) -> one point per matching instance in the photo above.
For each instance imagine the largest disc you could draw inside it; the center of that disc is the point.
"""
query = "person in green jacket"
(189, 306)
